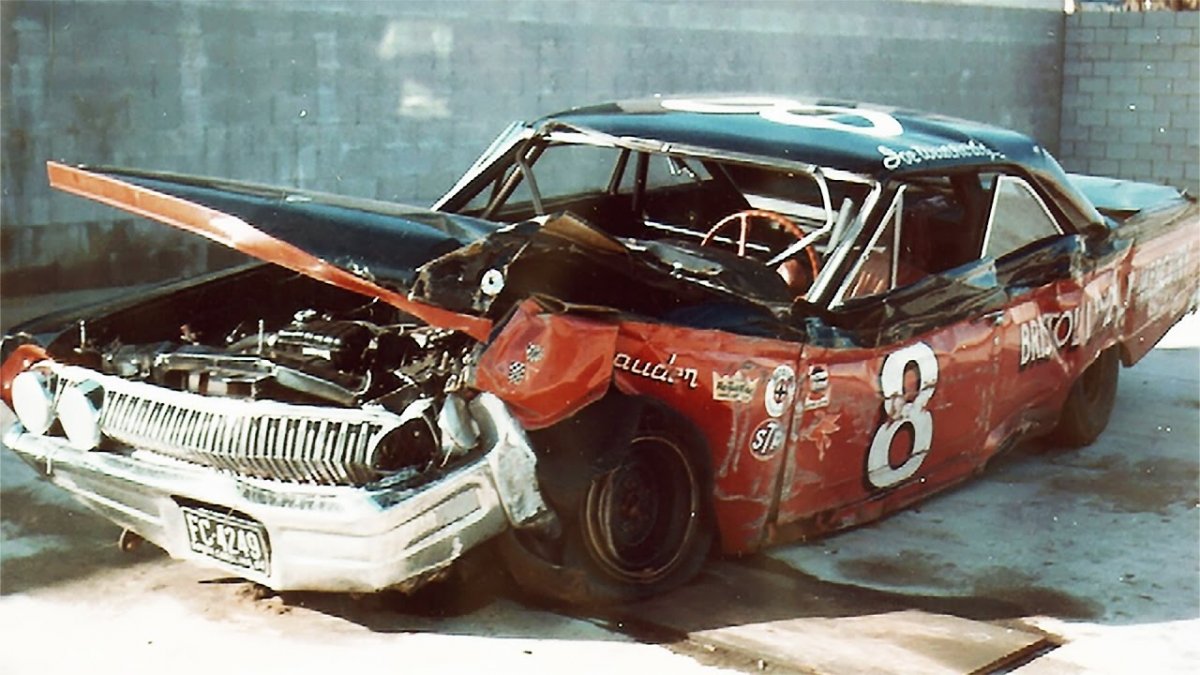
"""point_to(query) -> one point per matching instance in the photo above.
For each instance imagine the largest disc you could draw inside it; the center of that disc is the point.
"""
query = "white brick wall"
(1131, 96)
(393, 99)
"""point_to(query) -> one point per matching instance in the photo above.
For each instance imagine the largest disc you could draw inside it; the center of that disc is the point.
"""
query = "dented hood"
(368, 247)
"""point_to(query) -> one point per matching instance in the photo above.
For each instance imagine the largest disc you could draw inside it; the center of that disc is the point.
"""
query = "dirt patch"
(905, 568)
(66, 543)
(53, 566)
(1021, 589)
(1146, 486)
(24, 510)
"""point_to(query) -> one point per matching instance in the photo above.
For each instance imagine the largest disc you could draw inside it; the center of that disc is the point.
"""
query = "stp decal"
(780, 390)
(767, 439)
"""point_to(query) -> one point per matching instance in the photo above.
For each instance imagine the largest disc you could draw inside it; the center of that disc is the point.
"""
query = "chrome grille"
(266, 439)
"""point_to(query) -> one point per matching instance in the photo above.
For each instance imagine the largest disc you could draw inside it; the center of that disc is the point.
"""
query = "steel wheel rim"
(633, 530)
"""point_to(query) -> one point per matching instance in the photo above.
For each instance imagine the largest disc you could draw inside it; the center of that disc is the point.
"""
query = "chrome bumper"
(327, 538)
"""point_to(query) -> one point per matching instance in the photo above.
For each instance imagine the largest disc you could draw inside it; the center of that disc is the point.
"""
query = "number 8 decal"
(899, 412)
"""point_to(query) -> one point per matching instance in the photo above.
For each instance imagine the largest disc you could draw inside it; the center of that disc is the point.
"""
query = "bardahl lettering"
(736, 388)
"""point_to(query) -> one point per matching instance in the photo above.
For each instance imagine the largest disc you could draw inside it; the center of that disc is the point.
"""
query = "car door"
(896, 396)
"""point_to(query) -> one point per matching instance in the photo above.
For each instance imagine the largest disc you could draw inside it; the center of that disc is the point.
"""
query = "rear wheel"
(641, 528)
(1090, 402)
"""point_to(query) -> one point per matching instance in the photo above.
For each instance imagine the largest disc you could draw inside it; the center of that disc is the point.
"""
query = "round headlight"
(79, 412)
(33, 400)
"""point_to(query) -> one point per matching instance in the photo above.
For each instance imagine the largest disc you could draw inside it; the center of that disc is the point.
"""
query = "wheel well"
(596, 439)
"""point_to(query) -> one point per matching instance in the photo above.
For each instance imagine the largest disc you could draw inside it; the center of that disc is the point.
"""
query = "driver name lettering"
(667, 373)
(1161, 278)
(1049, 333)
(894, 159)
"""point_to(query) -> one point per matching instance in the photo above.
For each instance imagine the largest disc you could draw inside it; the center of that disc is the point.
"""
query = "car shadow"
(50, 542)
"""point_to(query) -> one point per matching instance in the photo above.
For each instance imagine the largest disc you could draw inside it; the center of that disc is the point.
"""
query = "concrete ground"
(1051, 562)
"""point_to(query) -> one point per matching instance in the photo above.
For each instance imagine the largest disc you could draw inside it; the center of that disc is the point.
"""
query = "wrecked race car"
(630, 335)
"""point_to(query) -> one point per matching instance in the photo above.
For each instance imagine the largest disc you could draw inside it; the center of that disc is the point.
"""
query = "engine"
(316, 358)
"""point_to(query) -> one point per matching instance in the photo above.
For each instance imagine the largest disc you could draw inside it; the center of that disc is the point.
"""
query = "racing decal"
(667, 373)
(821, 430)
(1047, 334)
(534, 352)
(736, 388)
(516, 372)
(866, 122)
(894, 159)
(781, 388)
(767, 439)
(818, 388)
(899, 412)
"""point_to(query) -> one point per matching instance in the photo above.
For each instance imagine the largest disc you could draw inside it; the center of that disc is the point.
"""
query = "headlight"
(79, 412)
(33, 400)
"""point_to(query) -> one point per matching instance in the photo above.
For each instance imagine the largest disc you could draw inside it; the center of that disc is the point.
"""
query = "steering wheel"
(783, 221)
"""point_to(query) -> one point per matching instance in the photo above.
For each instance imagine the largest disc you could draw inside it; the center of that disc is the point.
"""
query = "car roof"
(850, 136)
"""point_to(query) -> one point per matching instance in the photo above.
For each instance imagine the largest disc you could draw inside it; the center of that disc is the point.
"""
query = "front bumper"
(327, 538)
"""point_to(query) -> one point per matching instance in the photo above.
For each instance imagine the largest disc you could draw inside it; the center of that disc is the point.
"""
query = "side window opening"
(567, 172)
(932, 225)
(1018, 217)
(876, 273)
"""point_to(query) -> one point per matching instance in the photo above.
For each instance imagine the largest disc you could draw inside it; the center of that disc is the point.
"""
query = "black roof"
(855, 137)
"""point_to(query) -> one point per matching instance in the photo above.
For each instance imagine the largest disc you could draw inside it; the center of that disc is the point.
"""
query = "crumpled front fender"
(546, 366)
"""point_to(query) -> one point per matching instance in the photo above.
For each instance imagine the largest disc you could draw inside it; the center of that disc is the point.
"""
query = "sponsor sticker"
(818, 388)
(767, 439)
(736, 388)
(781, 388)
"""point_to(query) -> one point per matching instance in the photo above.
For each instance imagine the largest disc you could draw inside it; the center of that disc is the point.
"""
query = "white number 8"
(900, 412)
(876, 123)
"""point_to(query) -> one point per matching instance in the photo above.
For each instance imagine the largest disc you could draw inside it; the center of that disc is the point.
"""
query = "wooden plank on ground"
(796, 623)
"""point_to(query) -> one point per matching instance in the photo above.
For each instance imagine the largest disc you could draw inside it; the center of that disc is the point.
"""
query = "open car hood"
(366, 247)
(437, 266)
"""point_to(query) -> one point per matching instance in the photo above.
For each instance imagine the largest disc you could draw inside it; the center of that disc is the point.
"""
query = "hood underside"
(366, 247)
(431, 264)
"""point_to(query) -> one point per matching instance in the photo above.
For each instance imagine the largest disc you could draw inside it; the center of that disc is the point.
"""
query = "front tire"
(640, 528)
(1089, 404)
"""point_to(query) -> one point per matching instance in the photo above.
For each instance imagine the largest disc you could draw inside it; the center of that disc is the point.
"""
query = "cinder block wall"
(1131, 96)
(394, 99)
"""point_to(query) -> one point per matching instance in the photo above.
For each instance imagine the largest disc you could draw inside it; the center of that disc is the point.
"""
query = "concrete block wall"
(1131, 96)
(394, 99)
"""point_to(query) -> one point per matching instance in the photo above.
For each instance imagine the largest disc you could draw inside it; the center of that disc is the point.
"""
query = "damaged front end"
(324, 455)
(294, 429)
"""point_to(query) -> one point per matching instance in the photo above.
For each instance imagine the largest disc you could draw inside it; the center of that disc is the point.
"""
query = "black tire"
(1090, 402)
(640, 529)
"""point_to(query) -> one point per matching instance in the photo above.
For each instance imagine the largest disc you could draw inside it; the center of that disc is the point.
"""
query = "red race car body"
(629, 334)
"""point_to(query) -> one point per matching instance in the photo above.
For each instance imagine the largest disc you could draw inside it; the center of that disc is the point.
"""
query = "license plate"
(236, 541)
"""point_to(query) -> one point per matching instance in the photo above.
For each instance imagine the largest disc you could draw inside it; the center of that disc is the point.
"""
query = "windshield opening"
(787, 218)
